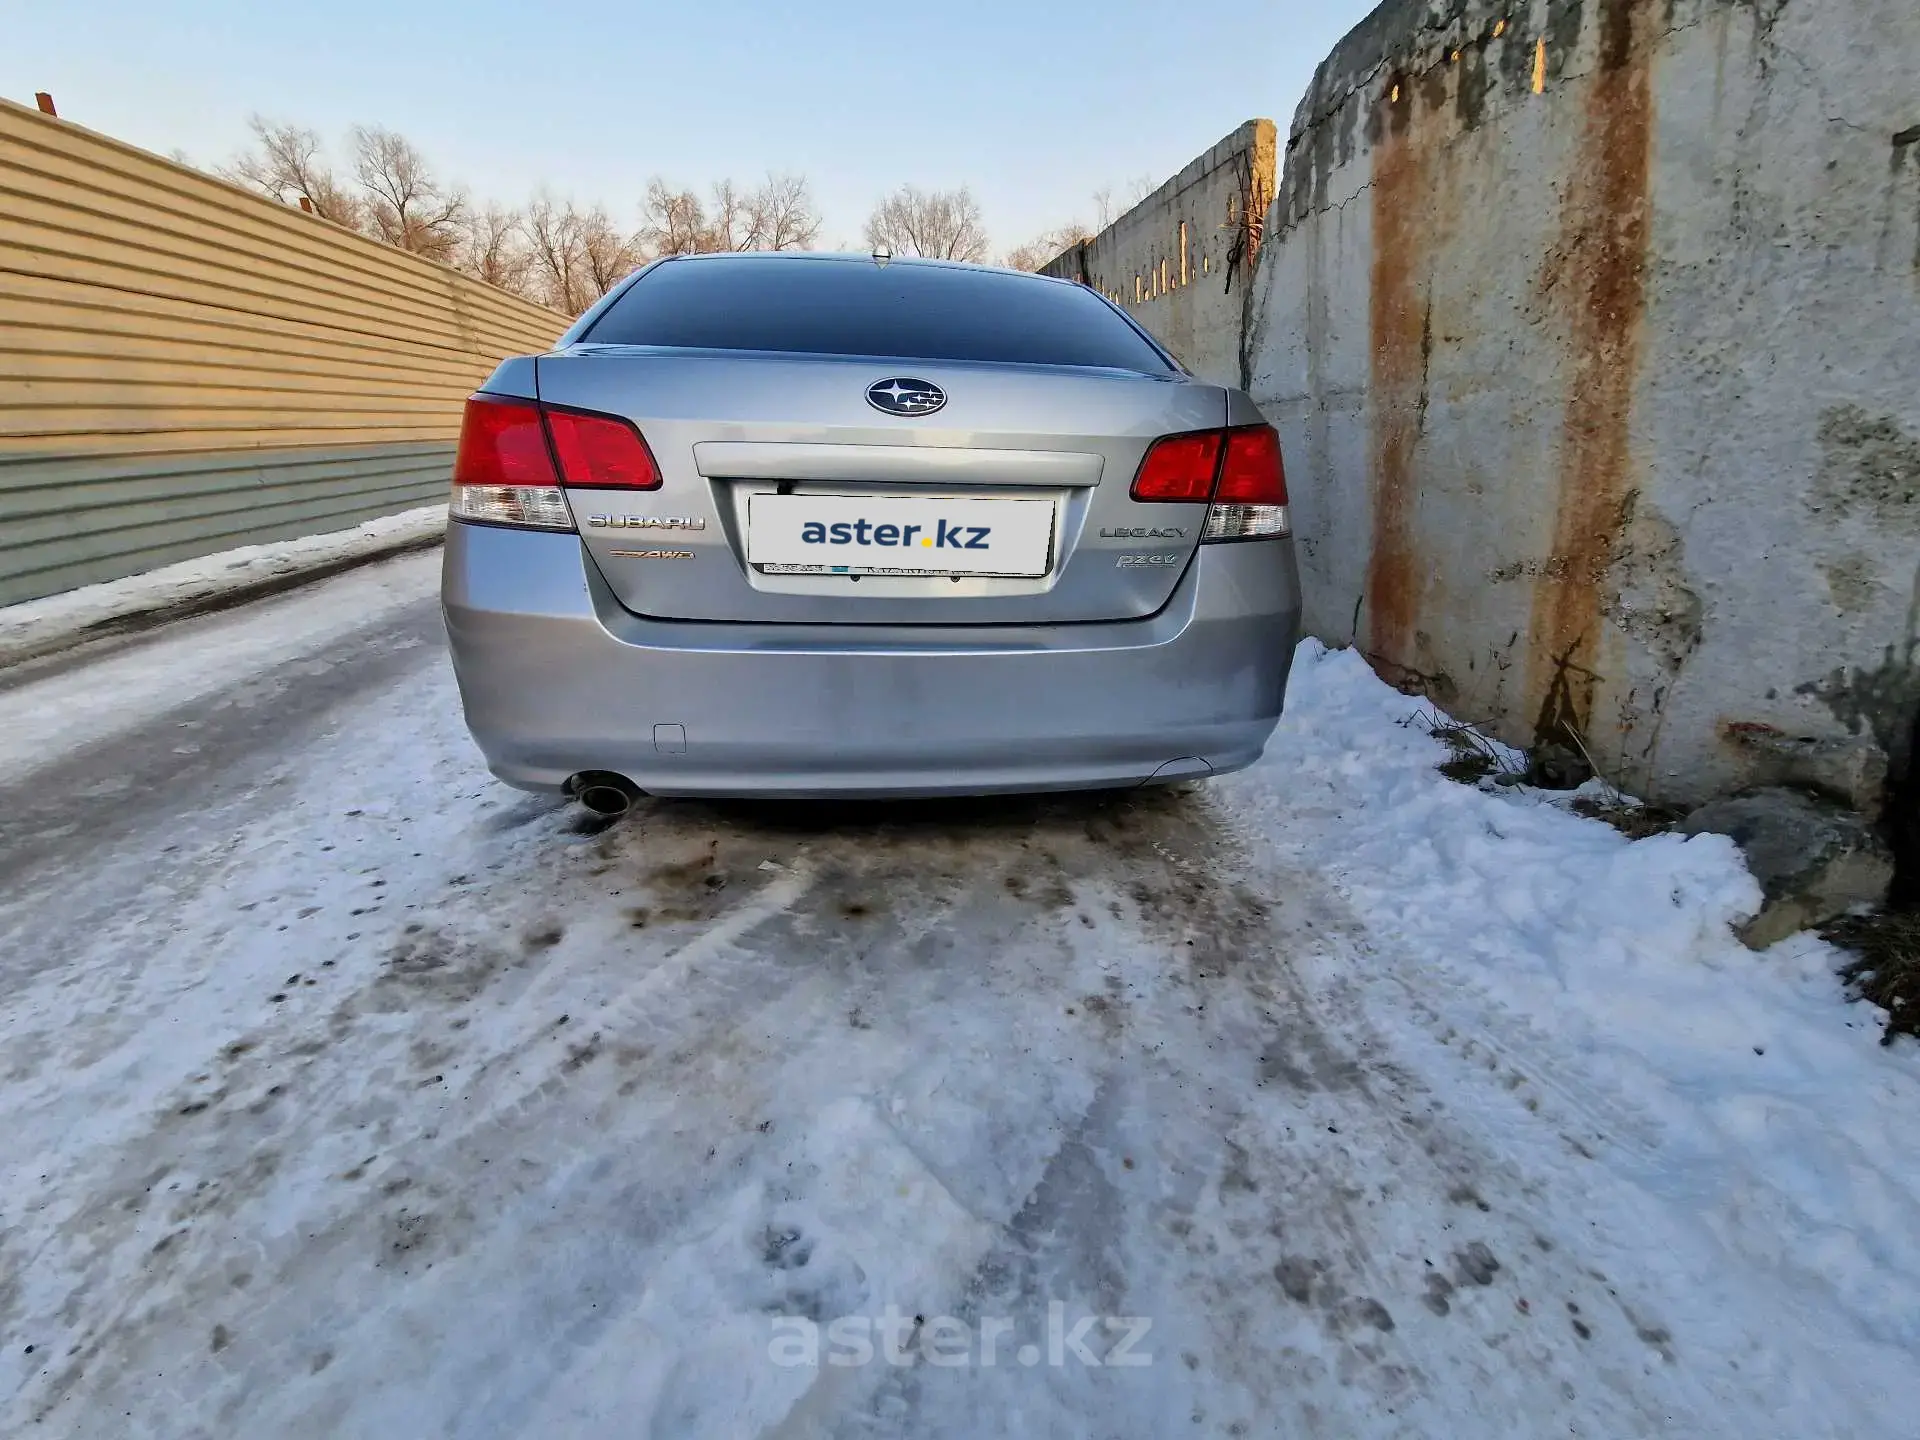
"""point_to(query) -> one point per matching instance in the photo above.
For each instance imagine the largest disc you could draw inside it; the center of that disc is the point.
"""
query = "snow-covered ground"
(55, 716)
(34, 627)
(348, 1093)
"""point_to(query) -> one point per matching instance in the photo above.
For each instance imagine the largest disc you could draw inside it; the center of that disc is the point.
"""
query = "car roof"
(837, 257)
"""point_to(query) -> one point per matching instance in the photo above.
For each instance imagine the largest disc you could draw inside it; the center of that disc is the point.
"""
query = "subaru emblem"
(901, 395)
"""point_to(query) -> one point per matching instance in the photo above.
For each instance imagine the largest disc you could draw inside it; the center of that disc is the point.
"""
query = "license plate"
(899, 535)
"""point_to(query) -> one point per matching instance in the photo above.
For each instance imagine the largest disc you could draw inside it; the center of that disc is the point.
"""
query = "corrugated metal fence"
(187, 367)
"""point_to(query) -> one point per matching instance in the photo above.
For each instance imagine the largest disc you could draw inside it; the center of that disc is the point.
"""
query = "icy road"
(344, 1092)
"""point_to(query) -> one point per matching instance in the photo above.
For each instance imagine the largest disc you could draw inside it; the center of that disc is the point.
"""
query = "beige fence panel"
(186, 366)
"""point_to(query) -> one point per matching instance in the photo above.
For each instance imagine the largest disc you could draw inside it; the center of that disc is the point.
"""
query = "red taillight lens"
(501, 443)
(602, 452)
(1252, 473)
(1179, 467)
(1237, 470)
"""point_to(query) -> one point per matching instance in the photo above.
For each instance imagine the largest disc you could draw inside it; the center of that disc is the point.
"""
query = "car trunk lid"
(753, 449)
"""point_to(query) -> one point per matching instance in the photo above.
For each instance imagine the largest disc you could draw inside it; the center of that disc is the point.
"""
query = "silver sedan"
(806, 525)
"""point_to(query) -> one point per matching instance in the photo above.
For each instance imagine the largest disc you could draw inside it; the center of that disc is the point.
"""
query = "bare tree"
(288, 164)
(408, 206)
(1103, 211)
(1045, 247)
(732, 225)
(553, 251)
(778, 214)
(575, 256)
(782, 216)
(609, 256)
(674, 222)
(1032, 255)
(493, 248)
(558, 256)
(1106, 209)
(941, 224)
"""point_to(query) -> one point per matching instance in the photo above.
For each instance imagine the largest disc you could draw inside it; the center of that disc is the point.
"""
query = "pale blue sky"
(1034, 105)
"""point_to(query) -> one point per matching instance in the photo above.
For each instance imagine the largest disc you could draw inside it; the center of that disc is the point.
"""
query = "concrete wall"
(186, 367)
(1593, 333)
(1181, 259)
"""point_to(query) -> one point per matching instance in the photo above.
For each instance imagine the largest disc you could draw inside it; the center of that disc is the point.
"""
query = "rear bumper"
(558, 678)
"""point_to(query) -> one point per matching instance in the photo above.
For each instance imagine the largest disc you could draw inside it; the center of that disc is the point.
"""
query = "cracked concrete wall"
(1180, 261)
(1592, 328)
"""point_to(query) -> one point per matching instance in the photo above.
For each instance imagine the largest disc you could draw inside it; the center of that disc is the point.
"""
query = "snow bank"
(36, 627)
(1601, 978)
(51, 717)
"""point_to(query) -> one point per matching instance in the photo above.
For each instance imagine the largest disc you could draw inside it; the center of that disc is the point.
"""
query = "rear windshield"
(839, 307)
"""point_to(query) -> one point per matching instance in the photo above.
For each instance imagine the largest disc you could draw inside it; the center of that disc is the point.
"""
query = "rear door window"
(855, 307)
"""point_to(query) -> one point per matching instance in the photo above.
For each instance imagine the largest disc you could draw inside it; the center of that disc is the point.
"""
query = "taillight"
(1252, 473)
(501, 444)
(1238, 470)
(1179, 467)
(1251, 503)
(503, 471)
(516, 455)
(602, 452)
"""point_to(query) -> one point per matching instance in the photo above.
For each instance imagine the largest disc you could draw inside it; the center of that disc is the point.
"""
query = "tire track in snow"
(1118, 1053)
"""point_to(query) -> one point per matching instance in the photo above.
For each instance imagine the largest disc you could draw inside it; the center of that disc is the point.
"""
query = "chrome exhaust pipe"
(603, 792)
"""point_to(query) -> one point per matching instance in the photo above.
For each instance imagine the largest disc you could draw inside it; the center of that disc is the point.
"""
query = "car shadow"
(946, 815)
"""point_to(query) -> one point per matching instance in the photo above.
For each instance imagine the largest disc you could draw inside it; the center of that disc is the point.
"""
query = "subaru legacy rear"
(806, 525)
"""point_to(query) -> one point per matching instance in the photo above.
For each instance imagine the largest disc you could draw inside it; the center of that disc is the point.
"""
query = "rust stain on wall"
(1600, 272)
(1398, 323)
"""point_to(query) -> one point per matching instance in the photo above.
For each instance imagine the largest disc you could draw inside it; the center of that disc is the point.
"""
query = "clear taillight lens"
(1247, 522)
(542, 507)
